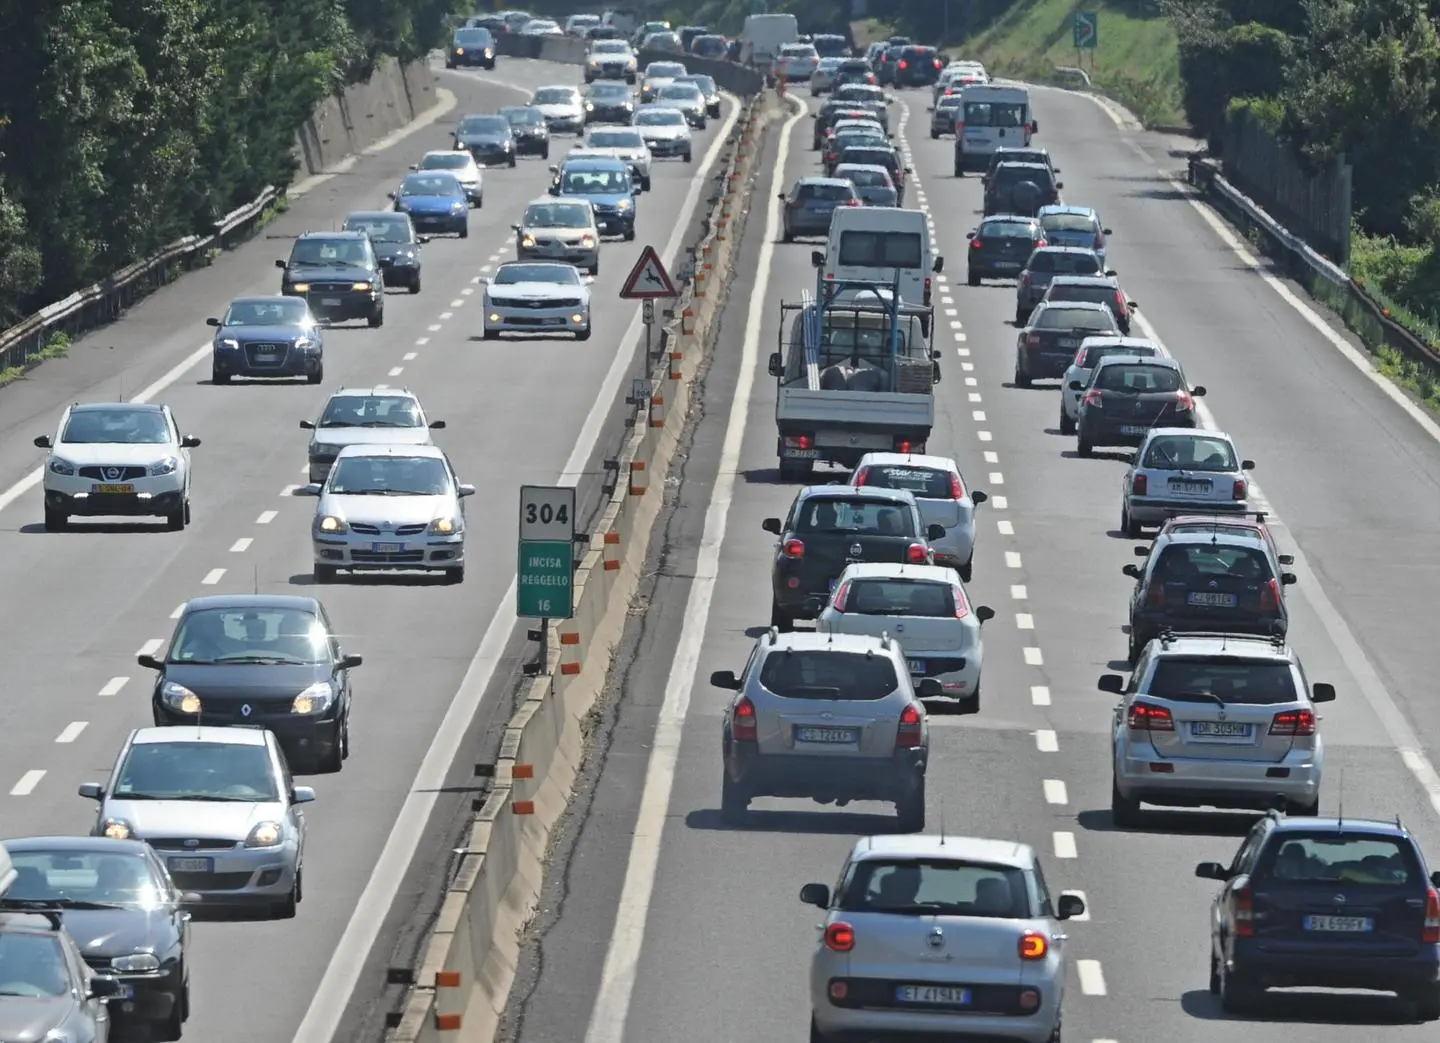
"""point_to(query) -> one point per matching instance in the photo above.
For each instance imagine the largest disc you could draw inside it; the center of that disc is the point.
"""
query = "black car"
(116, 900)
(1021, 188)
(532, 133)
(1001, 246)
(473, 45)
(869, 155)
(689, 34)
(609, 102)
(830, 45)
(267, 337)
(1093, 289)
(1008, 154)
(1127, 396)
(393, 238)
(1046, 346)
(831, 113)
(917, 67)
(1333, 903)
(338, 274)
(829, 527)
(853, 70)
(488, 138)
(885, 62)
(271, 660)
(708, 88)
(711, 46)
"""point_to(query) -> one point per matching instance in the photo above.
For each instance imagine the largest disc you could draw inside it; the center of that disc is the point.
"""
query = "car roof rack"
(1168, 635)
(53, 914)
(1221, 516)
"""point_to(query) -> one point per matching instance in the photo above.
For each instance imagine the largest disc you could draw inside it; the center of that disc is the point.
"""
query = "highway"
(661, 917)
(80, 605)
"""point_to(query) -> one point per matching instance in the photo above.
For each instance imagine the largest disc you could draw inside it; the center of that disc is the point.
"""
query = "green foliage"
(1220, 61)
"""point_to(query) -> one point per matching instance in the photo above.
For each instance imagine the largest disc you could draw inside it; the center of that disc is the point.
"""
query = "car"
(527, 124)
(542, 27)
(625, 143)
(663, 41)
(657, 75)
(610, 60)
(1021, 188)
(1230, 716)
(562, 107)
(117, 459)
(219, 805)
(488, 138)
(577, 25)
(940, 491)
(853, 70)
(608, 184)
(531, 297)
(873, 155)
(649, 29)
(955, 77)
(687, 98)
(864, 96)
(823, 78)
(831, 526)
(854, 134)
(810, 203)
(709, 90)
(436, 202)
(50, 994)
(1001, 247)
(472, 45)
(1091, 351)
(689, 34)
(126, 916)
(1211, 582)
(264, 660)
(832, 111)
(1017, 154)
(1251, 524)
(1127, 396)
(710, 45)
(396, 245)
(1183, 469)
(1075, 226)
(926, 609)
(1046, 345)
(1346, 903)
(872, 183)
(365, 416)
(609, 102)
(560, 229)
(943, 116)
(389, 508)
(832, 717)
(666, 132)
(1096, 289)
(267, 337)
(338, 275)
(795, 63)
(831, 45)
(939, 937)
(917, 67)
(1045, 263)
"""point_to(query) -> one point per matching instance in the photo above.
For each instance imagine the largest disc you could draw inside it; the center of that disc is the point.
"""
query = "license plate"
(1347, 924)
(114, 489)
(127, 992)
(1180, 485)
(387, 548)
(192, 865)
(801, 454)
(1007, 266)
(1211, 599)
(834, 736)
(1134, 429)
(1220, 729)
(917, 667)
(330, 302)
(941, 995)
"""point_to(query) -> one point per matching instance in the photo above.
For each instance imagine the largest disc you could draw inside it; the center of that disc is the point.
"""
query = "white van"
(991, 117)
(621, 20)
(763, 36)
(7, 871)
(871, 244)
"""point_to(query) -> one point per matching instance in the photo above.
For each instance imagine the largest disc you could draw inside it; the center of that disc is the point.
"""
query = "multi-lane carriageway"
(662, 922)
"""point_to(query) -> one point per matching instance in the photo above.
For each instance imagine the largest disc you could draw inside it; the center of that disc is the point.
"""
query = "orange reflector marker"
(523, 807)
(612, 537)
(521, 771)
(447, 1022)
(447, 979)
(612, 566)
(571, 638)
(1033, 946)
(569, 669)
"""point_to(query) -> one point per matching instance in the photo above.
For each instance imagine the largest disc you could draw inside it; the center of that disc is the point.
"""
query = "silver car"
(823, 78)
(365, 416)
(388, 508)
(687, 98)
(1046, 263)
(657, 75)
(218, 805)
(830, 717)
(872, 183)
(939, 936)
(946, 111)
(559, 229)
(625, 143)
(562, 107)
(1185, 470)
(1215, 720)
(463, 166)
(666, 132)
(942, 494)
(1091, 351)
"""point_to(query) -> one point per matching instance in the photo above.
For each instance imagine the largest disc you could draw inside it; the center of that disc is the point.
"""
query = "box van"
(764, 35)
(991, 117)
(870, 244)
(622, 20)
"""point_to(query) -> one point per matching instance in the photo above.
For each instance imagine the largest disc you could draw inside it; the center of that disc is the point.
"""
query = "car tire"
(170, 1029)
(1022, 379)
(1133, 647)
(1124, 813)
(217, 377)
(1214, 985)
(734, 801)
(1067, 426)
(1427, 1004)
(910, 809)
(545, 152)
(1083, 447)
(816, 1036)
(376, 319)
(333, 761)
(629, 235)
(973, 278)
(934, 135)
(966, 570)
(582, 334)
(175, 520)
(55, 521)
(1129, 527)
(969, 705)
(316, 377)
(1304, 810)
(780, 619)
(325, 573)
(1238, 996)
(1020, 315)
(414, 286)
(689, 157)
(490, 335)
(796, 470)
(455, 575)
(286, 910)
(644, 184)
(464, 231)
(512, 160)
(787, 236)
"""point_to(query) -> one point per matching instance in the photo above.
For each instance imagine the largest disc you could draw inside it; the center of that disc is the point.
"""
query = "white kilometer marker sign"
(1065, 845)
(113, 686)
(27, 783)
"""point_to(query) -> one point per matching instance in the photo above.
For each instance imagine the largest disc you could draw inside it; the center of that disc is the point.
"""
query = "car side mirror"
(1133, 305)
(307, 425)
(1212, 871)
(191, 898)
(725, 679)
(1105, 231)
(780, 196)
(818, 895)
(437, 425)
(103, 987)
(302, 795)
(91, 790)
(1322, 692)
(392, 195)
(935, 373)
(212, 321)
(1288, 579)
(1112, 683)
(313, 489)
(969, 235)
(350, 662)
(929, 108)
(1435, 878)
(1034, 126)
(929, 688)
(979, 496)
(149, 662)
(554, 169)
(771, 525)
(934, 532)
(777, 368)
(1287, 559)
(422, 239)
(1075, 385)
(1068, 906)
(1247, 465)
(189, 442)
(1110, 273)
(1133, 571)
(43, 441)
(414, 166)
(936, 355)
(554, 190)
(1059, 185)
(282, 265)
(938, 266)
(984, 613)
(465, 489)
(1198, 391)
(515, 228)
(908, 170)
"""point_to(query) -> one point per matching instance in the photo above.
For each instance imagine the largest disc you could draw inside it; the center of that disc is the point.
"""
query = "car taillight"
(1147, 717)
(902, 445)
(1032, 340)
(793, 548)
(904, 64)
(1099, 241)
(1120, 308)
(962, 605)
(742, 722)
(1155, 593)
(976, 244)
(1243, 908)
(1042, 244)
(937, 63)
(1183, 402)
(1270, 596)
(1431, 934)
(839, 937)
(861, 477)
(801, 442)
(1239, 490)
(917, 554)
(1140, 485)
(852, 201)
(959, 130)
(957, 488)
(841, 595)
(1033, 945)
(1293, 722)
(927, 291)
(1093, 398)
(911, 726)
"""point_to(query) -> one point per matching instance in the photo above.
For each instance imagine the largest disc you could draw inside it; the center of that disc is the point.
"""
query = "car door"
(1240, 866)
(173, 429)
(337, 655)
(294, 812)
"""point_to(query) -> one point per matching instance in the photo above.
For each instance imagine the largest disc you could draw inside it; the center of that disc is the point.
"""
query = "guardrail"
(739, 80)
(459, 985)
(1325, 280)
(106, 300)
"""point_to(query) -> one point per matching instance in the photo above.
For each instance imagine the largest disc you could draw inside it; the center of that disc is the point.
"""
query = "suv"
(1021, 188)
(827, 716)
(1218, 720)
(831, 526)
(1180, 468)
(917, 67)
(365, 416)
(50, 992)
(1330, 903)
(1008, 154)
(339, 276)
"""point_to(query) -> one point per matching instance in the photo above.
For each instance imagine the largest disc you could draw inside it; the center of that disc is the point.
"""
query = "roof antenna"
(122, 387)
(257, 579)
(942, 823)
(1340, 817)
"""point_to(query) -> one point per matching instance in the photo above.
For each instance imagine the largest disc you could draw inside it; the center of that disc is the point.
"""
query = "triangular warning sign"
(648, 280)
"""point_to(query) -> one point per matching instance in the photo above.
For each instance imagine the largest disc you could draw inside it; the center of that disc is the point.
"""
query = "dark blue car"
(610, 187)
(436, 202)
(267, 337)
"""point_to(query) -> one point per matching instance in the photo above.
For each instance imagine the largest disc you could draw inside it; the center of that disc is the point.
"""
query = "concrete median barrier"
(738, 80)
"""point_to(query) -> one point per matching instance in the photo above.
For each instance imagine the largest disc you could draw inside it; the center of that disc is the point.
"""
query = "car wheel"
(545, 152)
(796, 470)
(1214, 973)
(286, 909)
(1129, 527)
(316, 377)
(325, 573)
(1304, 810)
(464, 232)
(1124, 813)
(333, 761)
(217, 377)
(175, 520)
(171, 1028)
(415, 285)
(1427, 1005)
(934, 135)
(787, 236)
(1022, 379)
(910, 809)
(970, 704)
(1237, 996)
(816, 1036)
(781, 620)
(966, 569)
(1084, 447)
(734, 801)
(455, 575)
(490, 335)
(55, 521)
(1133, 647)
(582, 334)
(645, 184)
(376, 319)
(689, 157)
(973, 278)
(630, 234)
(1067, 426)
(512, 159)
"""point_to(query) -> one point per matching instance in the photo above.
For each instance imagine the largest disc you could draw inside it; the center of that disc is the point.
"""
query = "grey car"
(396, 246)
(709, 90)
(50, 994)
(831, 717)
(559, 230)
(218, 805)
(811, 203)
(872, 183)
(1046, 263)
(1097, 289)
(687, 98)
(366, 416)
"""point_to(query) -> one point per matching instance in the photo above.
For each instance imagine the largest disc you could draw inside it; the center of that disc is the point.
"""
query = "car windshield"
(524, 117)
(1007, 230)
(829, 675)
(1094, 355)
(431, 185)
(994, 114)
(870, 157)
(279, 311)
(660, 118)
(664, 70)
(1137, 379)
(865, 178)
(854, 517)
(900, 597)
(1088, 292)
(118, 426)
(32, 965)
(557, 215)
(1069, 223)
(559, 274)
(473, 37)
(66, 876)
(446, 161)
(1231, 679)
(831, 193)
(371, 411)
(390, 476)
(382, 229)
(1018, 156)
(1191, 453)
(553, 96)
(1075, 319)
(333, 253)
(610, 47)
(1332, 858)
(213, 771)
(610, 91)
(591, 182)
(616, 139)
(948, 101)
(484, 125)
(1190, 564)
(261, 634)
(681, 92)
(927, 483)
(1009, 175)
(925, 887)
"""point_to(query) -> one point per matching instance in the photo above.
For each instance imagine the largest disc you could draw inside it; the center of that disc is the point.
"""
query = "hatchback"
(1183, 469)
(811, 203)
(1075, 226)
(1092, 350)
(943, 115)
(939, 489)
(1045, 264)
(1001, 247)
(1045, 348)
(872, 184)
(1096, 289)
(873, 156)
(463, 165)
(1127, 396)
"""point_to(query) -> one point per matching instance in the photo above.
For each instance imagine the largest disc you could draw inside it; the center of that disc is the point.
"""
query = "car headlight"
(590, 105)
(230, 344)
(161, 467)
(324, 449)
(300, 287)
(305, 343)
(630, 63)
(587, 241)
(178, 697)
(508, 145)
(62, 467)
(457, 206)
(315, 699)
(361, 286)
(136, 963)
(625, 205)
(527, 241)
(444, 526)
(265, 834)
(595, 62)
(117, 829)
(331, 523)
(489, 53)
(578, 318)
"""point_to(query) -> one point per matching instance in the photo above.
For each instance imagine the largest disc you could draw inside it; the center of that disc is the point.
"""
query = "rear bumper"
(1285, 966)
(994, 267)
(1044, 363)
(1105, 431)
(866, 1014)
(1155, 509)
(1194, 783)
(825, 778)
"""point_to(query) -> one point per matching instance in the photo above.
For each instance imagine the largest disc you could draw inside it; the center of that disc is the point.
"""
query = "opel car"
(536, 297)
(267, 337)
(666, 132)
(365, 416)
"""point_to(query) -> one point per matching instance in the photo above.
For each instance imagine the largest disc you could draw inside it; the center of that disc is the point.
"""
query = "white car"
(463, 166)
(562, 107)
(926, 609)
(625, 143)
(365, 416)
(941, 493)
(541, 27)
(958, 75)
(610, 60)
(537, 297)
(1087, 357)
(666, 132)
(1183, 470)
(560, 229)
(117, 459)
(796, 62)
(823, 78)
(577, 25)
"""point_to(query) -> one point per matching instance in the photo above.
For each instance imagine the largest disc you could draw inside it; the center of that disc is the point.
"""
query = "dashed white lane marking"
(241, 545)
(496, 257)
(984, 436)
(213, 577)
(1055, 792)
(999, 503)
(947, 300)
(1082, 917)
(476, 280)
(266, 517)
(1064, 844)
(960, 336)
(1046, 741)
(978, 415)
(951, 313)
(446, 316)
(290, 490)
(975, 396)
(1092, 979)
(409, 356)
(305, 469)
(457, 302)
(1012, 559)
(177, 611)
(968, 367)
(1033, 657)
(395, 371)
(964, 353)
(1019, 593)
(991, 457)
(485, 268)
(113, 686)
(1005, 527)
(971, 382)
(27, 783)
(72, 731)
(434, 328)
(150, 647)
(382, 387)
(997, 477)
(1040, 694)
(1024, 621)
(420, 342)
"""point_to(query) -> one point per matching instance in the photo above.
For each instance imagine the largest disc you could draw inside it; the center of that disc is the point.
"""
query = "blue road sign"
(1087, 30)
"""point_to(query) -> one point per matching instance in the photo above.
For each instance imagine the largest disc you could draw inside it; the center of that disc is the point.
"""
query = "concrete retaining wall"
(349, 123)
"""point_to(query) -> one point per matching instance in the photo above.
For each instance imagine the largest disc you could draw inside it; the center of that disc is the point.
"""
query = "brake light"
(1033, 945)
(904, 64)
(1120, 308)
(1093, 398)
(1293, 722)
(902, 445)
(1155, 593)
(793, 548)
(802, 442)
(1270, 596)
(742, 722)
(976, 244)
(1243, 909)
(1239, 490)
(957, 488)
(841, 595)
(1183, 402)
(861, 477)
(839, 937)
(927, 291)
(1040, 246)
(937, 63)
(917, 554)
(962, 606)
(1140, 485)
(959, 130)
(1032, 340)
(1147, 717)
(1431, 934)
(1099, 241)
(1027, 277)
(911, 725)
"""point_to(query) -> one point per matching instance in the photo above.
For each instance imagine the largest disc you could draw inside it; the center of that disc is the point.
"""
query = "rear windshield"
(1065, 262)
(1068, 223)
(1237, 680)
(900, 597)
(1007, 229)
(927, 483)
(881, 250)
(994, 114)
(871, 157)
(1073, 292)
(828, 675)
(1018, 156)
(1194, 562)
(1138, 379)
(854, 517)
(1007, 177)
(1191, 453)
(924, 887)
(1094, 355)
(1329, 859)
(867, 178)
(1074, 319)
(831, 192)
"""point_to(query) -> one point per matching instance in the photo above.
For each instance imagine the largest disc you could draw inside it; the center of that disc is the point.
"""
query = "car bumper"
(1070, 402)
(565, 124)
(1104, 431)
(865, 1014)
(399, 553)
(663, 147)
(808, 222)
(304, 738)
(441, 224)
(471, 59)
(344, 307)
(696, 118)
(942, 126)
(402, 274)
(580, 256)
(289, 362)
(238, 876)
(490, 155)
(1154, 510)
(995, 268)
(144, 497)
(1192, 782)
(1286, 966)
(825, 778)
(536, 320)
(615, 223)
(609, 72)
(957, 672)
(957, 546)
(532, 146)
(1046, 363)
(152, 996)
(320, 468)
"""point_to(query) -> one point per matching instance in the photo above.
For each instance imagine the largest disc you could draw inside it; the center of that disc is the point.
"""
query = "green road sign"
(1087, 30)
(545, 581)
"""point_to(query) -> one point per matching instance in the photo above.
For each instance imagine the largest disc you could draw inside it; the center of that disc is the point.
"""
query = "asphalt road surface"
(662, 919)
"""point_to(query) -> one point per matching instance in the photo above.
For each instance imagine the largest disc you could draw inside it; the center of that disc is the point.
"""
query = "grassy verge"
(1404, 280)
(57, 346)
